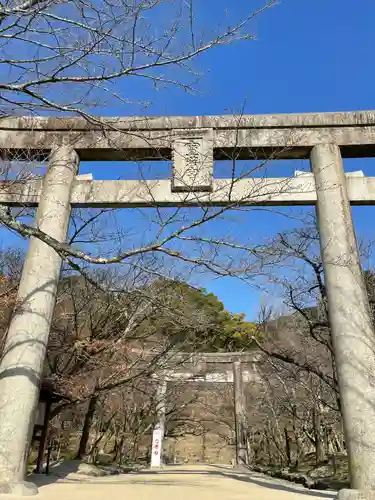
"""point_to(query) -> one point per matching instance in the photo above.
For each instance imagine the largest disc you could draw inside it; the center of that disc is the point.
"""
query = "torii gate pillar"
(350, 319)
(239, 415)
(24, 352)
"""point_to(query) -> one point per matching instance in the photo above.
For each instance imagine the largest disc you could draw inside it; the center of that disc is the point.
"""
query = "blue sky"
(309, 56)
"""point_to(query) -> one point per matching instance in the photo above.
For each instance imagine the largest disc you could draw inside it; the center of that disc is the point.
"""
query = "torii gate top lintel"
(303, 120)
(291, 135)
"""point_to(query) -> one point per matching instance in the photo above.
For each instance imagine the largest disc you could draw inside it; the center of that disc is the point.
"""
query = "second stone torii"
(237, 376)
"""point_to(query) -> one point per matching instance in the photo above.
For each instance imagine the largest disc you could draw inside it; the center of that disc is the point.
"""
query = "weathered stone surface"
(248, 136)
(299, 190)
(193, 161)
(24, 352)
(322, 471)
(356, 495)
(18, 489)
(132, 123)
(240, 415)
(90, 470)
(349, 313)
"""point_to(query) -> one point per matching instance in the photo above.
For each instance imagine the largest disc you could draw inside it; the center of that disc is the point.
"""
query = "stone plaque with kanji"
(193, 161)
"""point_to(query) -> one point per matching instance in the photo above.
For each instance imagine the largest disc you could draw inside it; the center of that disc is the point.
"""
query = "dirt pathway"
(177, 483)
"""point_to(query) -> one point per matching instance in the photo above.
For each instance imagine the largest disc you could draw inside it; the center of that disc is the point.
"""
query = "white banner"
(156, 448)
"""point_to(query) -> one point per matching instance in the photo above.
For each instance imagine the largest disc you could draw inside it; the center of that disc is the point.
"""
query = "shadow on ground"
(144, 477)
(73, 470)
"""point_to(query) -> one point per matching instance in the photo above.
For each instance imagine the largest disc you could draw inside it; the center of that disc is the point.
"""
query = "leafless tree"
(75, 57)
(301, 393)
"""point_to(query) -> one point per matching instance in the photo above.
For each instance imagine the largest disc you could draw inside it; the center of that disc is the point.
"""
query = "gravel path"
(176, 483)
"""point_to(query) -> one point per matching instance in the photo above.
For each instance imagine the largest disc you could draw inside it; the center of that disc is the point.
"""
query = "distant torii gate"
(236, 375)
(193, 143)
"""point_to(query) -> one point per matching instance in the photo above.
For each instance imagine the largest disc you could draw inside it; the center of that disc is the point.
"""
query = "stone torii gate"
(197, 368)
(193, 143)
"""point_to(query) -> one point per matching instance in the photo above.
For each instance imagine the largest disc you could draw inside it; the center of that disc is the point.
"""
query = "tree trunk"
(337, 443)
(268, 448)
(204, 446)
(120, 450)
(87, 427)
(297, 442)
(287, 447)
(320, 453)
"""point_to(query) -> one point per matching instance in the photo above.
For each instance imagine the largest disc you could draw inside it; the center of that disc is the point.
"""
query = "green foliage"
(237, 333)
(203, 323)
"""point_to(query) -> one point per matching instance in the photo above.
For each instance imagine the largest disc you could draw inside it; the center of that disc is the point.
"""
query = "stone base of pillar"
(18, 489)
(356, 495)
